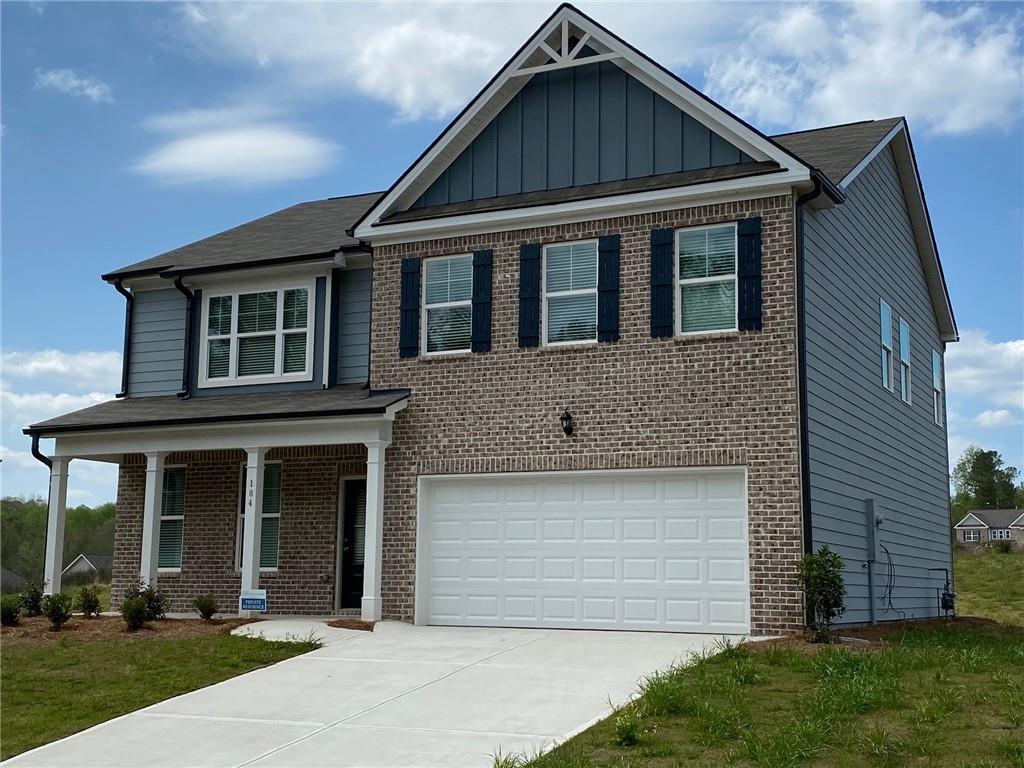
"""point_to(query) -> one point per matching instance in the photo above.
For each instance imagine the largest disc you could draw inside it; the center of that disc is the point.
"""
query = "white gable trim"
(80, 557)
(971, 521)
(1018, 523)
(496, 94)
(900, 126)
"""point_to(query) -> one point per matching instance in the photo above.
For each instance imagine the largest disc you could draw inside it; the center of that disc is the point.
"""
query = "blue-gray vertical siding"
(158, 343)
(578, 126)
(353, 330)
(864, 441)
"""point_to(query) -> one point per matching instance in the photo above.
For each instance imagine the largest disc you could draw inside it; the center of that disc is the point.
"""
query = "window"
(1000, 534)
(937, 387)
(570, 293)
(270, 520)
(706, 275)
(447, 304)
(885, 318)
(904, 361)
(258, 336)
(172, 519)
(972, 535)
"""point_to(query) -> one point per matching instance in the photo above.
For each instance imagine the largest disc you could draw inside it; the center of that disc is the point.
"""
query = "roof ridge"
(839, 125)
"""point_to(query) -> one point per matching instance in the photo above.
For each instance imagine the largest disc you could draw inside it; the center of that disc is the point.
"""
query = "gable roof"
(992, 518)
(316, 229)
(96, 562)
(837, 149)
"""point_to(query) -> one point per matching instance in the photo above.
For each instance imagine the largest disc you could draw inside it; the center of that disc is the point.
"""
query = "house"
(604, 356)
(984, 526)
(97, 566)
(11, 582)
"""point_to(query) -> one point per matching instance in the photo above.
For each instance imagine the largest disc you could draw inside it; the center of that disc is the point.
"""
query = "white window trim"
(938, 409)
(181, 557)
(233, 379)
(443, 305)
(905, 367)
(561, 294)
(891, 356)
(677, 283)
(1000, 534)
(241, 516)
(972, 536)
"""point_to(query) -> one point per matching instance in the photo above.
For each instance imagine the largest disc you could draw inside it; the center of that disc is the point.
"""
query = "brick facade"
(723, 399)
(305, 579)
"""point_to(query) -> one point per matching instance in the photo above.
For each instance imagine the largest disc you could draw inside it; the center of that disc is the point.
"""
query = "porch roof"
(352, 400)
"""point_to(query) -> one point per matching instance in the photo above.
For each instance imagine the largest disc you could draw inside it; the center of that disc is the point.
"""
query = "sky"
(132, 128)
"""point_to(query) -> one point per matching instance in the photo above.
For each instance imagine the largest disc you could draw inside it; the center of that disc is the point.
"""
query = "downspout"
(186, 366)
(801, 351)
(39, 454)
(129, 312)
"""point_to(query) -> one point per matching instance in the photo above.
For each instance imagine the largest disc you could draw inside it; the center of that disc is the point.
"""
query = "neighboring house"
(604, 356)
(95, 565)
(11, 581)
(985, 526)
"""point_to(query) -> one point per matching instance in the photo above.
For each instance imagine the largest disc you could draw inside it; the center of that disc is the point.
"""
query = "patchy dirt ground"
(346, 622)
(37, 631)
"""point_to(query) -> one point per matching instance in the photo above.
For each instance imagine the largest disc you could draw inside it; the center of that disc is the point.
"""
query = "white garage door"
(610, 550)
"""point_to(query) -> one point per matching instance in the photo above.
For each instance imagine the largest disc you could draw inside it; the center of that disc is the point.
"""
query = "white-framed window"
(172, 519)
(258, 336)
(885, 320)
(937, 387)
(1000, 534)
(270, 520)
(904, 361)
(972, 535)
(446, 324)
(570, 293)
(705, 265)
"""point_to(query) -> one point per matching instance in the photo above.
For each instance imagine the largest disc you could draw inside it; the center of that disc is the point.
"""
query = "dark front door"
(353, 542)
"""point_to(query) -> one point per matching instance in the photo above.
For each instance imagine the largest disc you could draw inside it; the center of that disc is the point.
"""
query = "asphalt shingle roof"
(836, 149)
(996, 518)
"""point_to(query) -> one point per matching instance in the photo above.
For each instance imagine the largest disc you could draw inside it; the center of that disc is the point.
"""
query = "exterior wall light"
(566, 419)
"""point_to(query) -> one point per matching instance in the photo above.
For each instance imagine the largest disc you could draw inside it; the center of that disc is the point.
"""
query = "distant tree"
(982, 481)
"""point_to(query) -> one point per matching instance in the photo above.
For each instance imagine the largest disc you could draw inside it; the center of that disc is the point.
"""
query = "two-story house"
(604, 356)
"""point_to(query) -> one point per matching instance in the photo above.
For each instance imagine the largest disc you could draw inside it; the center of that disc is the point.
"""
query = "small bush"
(627, 725)
(134, 612)
(1004, 547)
(821, 576)
(88, 601)
(57, 608)
(205, 606)
(10, 610)
(32, 598)
(154, 599)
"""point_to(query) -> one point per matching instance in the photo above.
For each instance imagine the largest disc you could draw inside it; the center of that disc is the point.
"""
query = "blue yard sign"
(253, 600)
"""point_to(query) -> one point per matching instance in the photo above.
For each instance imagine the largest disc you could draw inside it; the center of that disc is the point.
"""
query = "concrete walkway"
(399, 696)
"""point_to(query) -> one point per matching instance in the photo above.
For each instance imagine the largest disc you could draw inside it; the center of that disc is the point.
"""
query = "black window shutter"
(482, 301)
(608, 288)
(529, 295)
(748, 273)
(661, 282)
(409, 332)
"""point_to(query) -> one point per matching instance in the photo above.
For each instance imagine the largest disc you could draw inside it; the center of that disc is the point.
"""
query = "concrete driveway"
(399, 696)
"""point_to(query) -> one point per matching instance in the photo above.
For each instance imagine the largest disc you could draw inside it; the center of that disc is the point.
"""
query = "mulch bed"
(37, 631)
(349, 623)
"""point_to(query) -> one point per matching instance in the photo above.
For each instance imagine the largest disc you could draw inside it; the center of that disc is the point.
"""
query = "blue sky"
(132, 128)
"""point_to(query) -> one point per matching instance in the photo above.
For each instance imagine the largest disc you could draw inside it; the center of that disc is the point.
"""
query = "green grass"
(54, 689)
(990, 585)
(946, 696)
(102, 589)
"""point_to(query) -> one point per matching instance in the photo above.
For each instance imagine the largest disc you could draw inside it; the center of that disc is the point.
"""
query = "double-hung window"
(447, 320)
(1000, 534)
(706, 279)
(937, 387)
(270, 520)
(172, 520)
(885, 318)
(570, 293)
(256, 337)
(972, 535)
(904, 361)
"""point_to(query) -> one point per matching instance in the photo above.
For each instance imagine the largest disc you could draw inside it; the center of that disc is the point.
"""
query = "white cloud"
(21, 409)
(999, 418)
(66, 81)
(88, 369)
(991, 372)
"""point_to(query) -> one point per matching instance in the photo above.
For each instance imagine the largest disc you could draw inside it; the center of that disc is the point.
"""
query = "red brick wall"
(640, 402)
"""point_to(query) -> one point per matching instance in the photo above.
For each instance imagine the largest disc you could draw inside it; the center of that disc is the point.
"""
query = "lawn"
(55, 684)
(936, 695)
(990, 584)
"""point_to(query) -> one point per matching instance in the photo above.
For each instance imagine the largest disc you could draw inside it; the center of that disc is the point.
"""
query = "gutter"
(39, 454)
(186, 367)
(129, 313)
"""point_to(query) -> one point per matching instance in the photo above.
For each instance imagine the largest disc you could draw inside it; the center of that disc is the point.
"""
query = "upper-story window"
(258, 336)
(885, 318)
(570, 293)
(447, 321)
(706, 279)
(937, 387)
(904, 360)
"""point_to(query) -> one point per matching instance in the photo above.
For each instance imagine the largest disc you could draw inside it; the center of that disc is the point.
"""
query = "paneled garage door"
(610, 550)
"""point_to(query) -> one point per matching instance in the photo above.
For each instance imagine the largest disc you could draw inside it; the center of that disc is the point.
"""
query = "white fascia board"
(600, 207)
(899, 127)
(1018, 523)
(72, 563)
(971, 521)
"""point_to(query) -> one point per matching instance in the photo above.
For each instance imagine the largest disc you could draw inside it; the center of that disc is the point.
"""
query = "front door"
(353, 540)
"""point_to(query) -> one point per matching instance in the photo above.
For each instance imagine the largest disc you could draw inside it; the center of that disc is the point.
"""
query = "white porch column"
(152, 503)
(371, 609)
(254, 469)
(55, 525)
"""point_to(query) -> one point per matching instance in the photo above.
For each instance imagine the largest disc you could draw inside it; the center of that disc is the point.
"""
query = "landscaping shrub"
(32, 598)
(821, 577)
(57, 608)
(10, 610)
(88, 601)
(134, 612)
(205, 606)
(1004, 547)
(154, 599)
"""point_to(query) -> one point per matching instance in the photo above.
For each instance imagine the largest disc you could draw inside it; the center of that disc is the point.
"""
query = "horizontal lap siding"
(353, 326)
(864, 442)
(158, 343)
